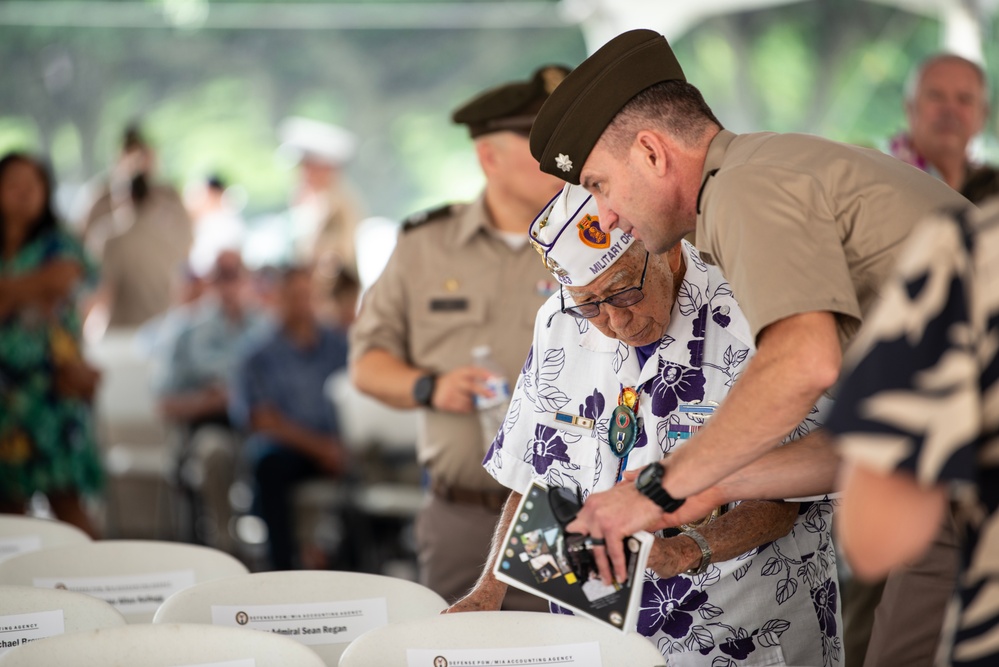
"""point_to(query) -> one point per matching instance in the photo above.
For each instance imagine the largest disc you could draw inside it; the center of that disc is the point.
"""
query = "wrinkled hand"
(479, 599)
(455, 391)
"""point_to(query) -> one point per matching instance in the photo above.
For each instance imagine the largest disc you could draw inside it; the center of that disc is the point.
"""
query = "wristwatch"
(705, 551)
(423, 390)
(650, 484)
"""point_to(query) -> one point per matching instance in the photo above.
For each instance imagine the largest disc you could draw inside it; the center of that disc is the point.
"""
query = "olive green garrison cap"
(511, 106)
(580, 109)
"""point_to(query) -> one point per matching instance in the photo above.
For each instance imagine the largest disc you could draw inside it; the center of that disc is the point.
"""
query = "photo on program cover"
(536, 558)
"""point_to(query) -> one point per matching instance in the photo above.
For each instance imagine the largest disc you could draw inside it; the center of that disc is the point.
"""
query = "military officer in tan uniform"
(462, 276)
(804, 229)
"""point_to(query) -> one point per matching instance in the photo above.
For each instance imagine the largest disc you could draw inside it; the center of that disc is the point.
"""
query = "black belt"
(491, 500)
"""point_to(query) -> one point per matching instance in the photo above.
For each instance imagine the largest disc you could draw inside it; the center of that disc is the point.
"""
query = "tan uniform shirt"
(800, 224)
(452, 285)
(140, 264)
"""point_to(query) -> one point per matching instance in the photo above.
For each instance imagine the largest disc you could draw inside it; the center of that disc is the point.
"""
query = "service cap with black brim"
(512, 106)
(576, 114)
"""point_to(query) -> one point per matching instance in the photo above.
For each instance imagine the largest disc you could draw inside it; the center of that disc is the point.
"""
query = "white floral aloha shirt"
(776, 604)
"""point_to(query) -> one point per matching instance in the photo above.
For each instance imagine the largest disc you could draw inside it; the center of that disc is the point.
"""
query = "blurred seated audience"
(217, 223)
(47, 439)
(278, 396)
(339, 308)
(192, 395)
(111, 213)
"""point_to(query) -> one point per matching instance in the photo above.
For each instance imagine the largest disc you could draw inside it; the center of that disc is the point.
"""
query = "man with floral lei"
(628, 361)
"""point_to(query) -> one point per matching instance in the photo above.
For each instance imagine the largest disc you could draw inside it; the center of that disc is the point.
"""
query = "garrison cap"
(573, 246)
(511, 106)
(572, 120)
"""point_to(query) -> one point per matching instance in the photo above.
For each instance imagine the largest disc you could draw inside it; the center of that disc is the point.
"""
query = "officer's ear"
(486, 150)
(652, 151)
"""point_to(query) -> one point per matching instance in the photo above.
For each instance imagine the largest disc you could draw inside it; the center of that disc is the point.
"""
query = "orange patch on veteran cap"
(576, 114)
(572, 243)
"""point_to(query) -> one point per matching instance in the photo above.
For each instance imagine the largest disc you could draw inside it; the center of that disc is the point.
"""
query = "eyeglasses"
(623, 299)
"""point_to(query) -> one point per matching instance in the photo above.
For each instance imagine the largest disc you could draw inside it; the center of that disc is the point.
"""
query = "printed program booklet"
(535, 559)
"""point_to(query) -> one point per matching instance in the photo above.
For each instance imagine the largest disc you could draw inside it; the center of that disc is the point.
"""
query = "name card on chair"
(19, 629)
(586, 654)
(309, 623)
(129, 594)
(11, 546)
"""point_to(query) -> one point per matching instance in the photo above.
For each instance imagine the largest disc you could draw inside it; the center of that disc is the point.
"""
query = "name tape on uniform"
(20, 629)
(308, 623)
(129, 594)
(11, 546)
(586, 654)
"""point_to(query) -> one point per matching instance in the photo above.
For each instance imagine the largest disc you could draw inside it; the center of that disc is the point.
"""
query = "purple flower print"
(824, 599)
(495, 446)
(547, 448)
(668, 605)
(720, 316)
(673, 384)
(738, 648)
(593, 406)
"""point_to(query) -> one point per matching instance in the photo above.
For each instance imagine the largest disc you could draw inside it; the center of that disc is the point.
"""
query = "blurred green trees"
(210, 98)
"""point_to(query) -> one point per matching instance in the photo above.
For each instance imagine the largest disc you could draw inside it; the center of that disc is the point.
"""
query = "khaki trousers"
(453, 543)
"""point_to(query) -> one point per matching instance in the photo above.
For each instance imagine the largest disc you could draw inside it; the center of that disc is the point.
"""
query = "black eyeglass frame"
(594, 306)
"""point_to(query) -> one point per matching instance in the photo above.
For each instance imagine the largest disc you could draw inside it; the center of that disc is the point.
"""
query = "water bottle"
(492, 409)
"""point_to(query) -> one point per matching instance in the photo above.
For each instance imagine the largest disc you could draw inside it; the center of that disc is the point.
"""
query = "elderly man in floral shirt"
(628, 361)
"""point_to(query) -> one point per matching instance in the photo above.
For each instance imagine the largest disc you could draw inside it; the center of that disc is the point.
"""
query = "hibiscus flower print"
(668, 605)
(547, 448)
(824, 599)
(674, 383)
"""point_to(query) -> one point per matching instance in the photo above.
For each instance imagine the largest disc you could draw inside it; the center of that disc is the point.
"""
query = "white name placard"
(586, 654)
(11, 546)
(308, 623)
(246, 662)
(129, 594)
(19, 629)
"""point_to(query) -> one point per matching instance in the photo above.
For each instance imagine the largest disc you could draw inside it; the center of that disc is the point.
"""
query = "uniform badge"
(563, 162)
(591, 234)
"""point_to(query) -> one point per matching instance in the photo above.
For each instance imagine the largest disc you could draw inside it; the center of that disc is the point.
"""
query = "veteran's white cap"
(304, 137)
(574, 246)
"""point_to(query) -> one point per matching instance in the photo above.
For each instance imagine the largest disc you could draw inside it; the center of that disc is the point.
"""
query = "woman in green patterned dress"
(46, 431)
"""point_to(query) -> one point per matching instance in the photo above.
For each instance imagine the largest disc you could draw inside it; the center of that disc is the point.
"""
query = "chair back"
(500, 637)
(134, 576)
(324, 610)
(28, 614)
(21, 534)
(164, 646)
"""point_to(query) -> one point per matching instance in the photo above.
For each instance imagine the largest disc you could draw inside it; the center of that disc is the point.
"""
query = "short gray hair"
(916, 74)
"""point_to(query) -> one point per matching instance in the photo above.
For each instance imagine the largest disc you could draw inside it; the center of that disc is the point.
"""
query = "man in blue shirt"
(278, 397)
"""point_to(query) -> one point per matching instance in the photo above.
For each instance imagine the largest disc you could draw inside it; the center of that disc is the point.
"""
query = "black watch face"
(646, 476)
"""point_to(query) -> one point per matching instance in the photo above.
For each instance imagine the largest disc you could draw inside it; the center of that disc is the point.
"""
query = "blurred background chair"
(21, 534)
(135, 446)
(388, 646)
(275, 593)
(164, 646)
(135, 576)
(79, 612)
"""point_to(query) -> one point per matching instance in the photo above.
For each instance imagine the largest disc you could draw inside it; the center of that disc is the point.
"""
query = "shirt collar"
(680, 329)
(474, 218)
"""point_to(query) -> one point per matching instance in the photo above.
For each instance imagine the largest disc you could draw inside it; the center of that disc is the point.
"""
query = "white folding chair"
(495, 635)
(164, 646)
(135, 576)
(72, 612)
(20, 534)
(271, 601)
